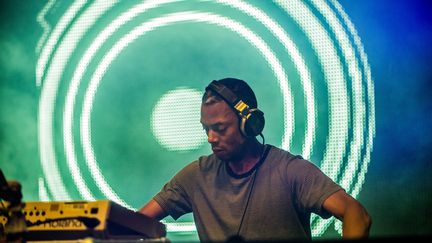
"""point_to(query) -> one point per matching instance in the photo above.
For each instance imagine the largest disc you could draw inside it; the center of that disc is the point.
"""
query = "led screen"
(101, 99)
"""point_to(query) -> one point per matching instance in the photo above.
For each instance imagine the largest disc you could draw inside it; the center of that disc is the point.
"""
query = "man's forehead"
(217, 108)
(219, 123)
(215, 113)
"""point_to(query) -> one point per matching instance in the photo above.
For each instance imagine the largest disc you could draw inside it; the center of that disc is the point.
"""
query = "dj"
(248, 189)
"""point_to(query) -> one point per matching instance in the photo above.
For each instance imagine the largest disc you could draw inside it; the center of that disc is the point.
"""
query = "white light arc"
(44, 24)
(337, 90)
(302, 69)
(333, 72)
(131, 36)
(49, 93)
(54, 38)
(75, 82)
(369, 94)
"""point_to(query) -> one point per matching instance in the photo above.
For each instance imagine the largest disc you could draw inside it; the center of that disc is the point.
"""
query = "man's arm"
(153, 210)
(356, 221)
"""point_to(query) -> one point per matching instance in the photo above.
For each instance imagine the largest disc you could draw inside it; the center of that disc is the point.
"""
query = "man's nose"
(212, 136)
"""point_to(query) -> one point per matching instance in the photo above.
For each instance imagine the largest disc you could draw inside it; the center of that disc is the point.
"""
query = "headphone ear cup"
(253, 125)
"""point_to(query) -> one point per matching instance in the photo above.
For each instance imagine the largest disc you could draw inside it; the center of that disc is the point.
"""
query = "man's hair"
(238, 87)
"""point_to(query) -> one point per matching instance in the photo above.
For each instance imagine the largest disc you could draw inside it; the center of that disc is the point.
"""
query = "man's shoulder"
(293, 165)
(284, 160)
(204, 162)
(282, 155)
(207, 163)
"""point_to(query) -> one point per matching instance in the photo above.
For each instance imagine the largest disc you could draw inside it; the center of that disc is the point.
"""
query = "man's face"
(222, 127)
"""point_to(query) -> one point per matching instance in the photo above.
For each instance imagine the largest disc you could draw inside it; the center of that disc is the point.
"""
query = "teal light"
(175, 120)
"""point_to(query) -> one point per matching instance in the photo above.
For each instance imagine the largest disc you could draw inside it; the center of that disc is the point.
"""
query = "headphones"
(251, 119)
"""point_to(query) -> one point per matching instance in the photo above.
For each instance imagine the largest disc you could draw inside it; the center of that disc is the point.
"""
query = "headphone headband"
(223, 91)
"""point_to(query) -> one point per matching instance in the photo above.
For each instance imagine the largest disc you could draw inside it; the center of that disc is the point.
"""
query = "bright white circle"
(175, 120)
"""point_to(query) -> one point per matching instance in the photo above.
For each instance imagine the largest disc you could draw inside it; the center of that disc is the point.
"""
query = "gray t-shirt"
(287, 189)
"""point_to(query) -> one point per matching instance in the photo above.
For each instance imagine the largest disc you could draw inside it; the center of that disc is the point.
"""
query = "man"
(247, 189)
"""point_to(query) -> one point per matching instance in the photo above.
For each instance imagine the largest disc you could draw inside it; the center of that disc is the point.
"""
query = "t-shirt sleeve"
(174, 197)
(311, 186)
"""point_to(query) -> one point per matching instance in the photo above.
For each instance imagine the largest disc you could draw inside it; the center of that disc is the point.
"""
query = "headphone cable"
(247, 203)
(263, 155)
(263, 139)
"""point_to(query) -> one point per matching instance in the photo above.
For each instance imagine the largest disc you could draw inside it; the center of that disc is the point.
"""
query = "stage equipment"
(101, 220)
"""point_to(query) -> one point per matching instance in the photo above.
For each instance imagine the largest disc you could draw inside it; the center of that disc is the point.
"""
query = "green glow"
(74, 84)
(339, 111)
(45, 25)
(49, 92)
(299, 62)
(358, 105)
(180, 226)
(370, 97)
(56, 52)
(132, 36)
(73, 89)
(49, 46)
(371, 106)
(175, 120)
(43, 193)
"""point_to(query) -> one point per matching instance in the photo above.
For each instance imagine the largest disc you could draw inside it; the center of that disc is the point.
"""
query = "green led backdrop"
(120, 82)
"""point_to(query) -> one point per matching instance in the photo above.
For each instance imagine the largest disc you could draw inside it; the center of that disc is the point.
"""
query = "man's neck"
(250, 157)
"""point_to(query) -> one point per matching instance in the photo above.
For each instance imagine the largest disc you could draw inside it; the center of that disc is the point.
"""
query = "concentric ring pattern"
(304, 59)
